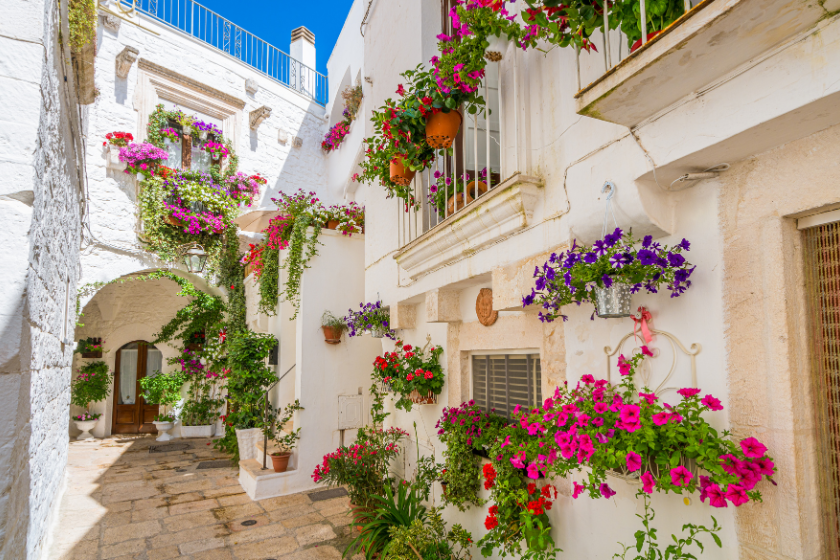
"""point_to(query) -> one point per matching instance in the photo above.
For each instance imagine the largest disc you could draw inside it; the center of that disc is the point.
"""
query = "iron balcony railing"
(614, 44)
(195, 20)
(461, 179)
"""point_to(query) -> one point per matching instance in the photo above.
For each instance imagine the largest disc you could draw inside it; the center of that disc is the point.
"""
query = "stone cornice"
(149, 66)
(506, 209)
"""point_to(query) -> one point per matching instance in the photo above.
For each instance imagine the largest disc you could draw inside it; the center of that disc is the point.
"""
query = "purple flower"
(647, 241)
(606, 280)
(646, 257)
(675, 259)
(590, 257)
(600, 248)
(611, 239)
(684, 245)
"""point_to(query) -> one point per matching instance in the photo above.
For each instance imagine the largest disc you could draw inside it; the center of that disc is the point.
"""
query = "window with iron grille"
(821, 252)
(502, 381)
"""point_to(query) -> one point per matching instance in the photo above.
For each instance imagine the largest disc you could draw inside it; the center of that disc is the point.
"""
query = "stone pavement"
(123, 502)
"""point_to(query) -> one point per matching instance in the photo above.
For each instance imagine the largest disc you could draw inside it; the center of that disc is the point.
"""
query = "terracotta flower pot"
(482, 188)
(400, 174)
(457, 202)
(417, 398)
(332, 224)
(172, 221)
(331, 335)
(280, 461)
(441, 129)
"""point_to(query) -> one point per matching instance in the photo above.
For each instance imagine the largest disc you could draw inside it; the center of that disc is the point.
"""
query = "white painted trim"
(818, 219)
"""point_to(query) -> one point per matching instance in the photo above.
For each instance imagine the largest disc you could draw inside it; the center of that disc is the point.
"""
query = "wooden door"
(132, 415)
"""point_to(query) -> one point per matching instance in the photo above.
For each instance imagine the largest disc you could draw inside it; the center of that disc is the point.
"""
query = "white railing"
(623, 47)
(204, 24)
(477, 159)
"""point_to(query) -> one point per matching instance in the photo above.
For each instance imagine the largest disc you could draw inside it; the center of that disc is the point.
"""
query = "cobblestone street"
(125, 502)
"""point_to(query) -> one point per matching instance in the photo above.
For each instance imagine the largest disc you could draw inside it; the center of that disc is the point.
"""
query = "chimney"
(303, 46)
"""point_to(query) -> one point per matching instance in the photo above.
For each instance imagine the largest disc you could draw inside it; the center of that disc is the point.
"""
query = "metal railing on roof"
(204, 24)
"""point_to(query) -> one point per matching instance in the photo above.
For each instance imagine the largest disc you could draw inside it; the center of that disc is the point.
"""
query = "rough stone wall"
(767, 336)
(40, 237)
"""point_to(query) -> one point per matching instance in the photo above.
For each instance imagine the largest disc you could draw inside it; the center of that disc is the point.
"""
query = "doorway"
(132, 415)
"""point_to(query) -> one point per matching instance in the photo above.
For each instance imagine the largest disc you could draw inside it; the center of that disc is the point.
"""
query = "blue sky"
(274, 21)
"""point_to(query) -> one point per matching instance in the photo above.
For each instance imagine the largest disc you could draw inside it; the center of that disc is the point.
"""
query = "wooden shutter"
(503, 381)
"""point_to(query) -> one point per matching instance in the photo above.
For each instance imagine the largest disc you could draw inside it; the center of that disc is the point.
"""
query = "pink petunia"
(578, 488)
(687, 393)
(506, 442)
(715, 495)
(601, 408)
(649, 397)
(648, 482)
(606, 491)
(646, 351)
(533, 471)
(711, 403)
(587, 379)
(681, 476)
(623, 366)
(736, 495)
(634, 461)
(753, 448)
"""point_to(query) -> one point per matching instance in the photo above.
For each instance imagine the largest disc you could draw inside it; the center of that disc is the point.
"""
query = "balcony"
(697, 51)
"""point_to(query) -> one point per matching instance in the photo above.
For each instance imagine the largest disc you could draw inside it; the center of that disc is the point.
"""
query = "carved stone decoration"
(282, 136)
(251, 86)
(297, 141)
(484, 307)
(111, 23)
(124, 61)
(258, 115)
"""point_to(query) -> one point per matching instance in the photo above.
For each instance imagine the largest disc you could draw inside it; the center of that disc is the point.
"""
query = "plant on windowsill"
(412, 373)
(286, 441)
(142, 159)
(90, 347)
(92, 384)
(372, 318)
(607, 273)
(333, 327)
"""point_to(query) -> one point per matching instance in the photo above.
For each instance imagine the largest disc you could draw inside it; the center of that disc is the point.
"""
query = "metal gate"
(821, 248)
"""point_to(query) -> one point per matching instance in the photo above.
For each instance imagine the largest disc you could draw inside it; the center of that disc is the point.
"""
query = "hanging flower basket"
(442, 128)
(331, 335)
(400, 174)
(613, 302)
(427, 398)
(378, 331)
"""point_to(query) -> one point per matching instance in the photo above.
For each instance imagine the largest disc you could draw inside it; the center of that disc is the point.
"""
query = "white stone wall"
(40, 203)
(116, 250)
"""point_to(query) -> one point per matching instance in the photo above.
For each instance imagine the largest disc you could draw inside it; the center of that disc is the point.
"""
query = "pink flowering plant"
(216, 150)
(92, 384)
(142, 158)
(629, 431)
(573, 275)
(170, 134)
(87, 417)
(335, 136)
(411, 370)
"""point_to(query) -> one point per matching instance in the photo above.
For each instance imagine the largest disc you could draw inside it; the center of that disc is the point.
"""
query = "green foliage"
(247, 381)
(204, 312)
(429, 540)
(287, 441)
(269, 281)
(82, 22)
(337, 323)
(408, 370)
(390, 511)
(647, 547)
(163, 388)
(92, 384)
(660, 14)
(232, 279)
(302, 247)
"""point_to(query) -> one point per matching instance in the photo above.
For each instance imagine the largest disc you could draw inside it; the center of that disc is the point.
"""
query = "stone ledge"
(150, 66)
(506, 209)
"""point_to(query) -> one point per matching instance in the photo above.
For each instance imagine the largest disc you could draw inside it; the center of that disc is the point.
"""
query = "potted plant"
(413, 373)
(164, 390)
(287, 441)
(114, 141)
(607, 273)
(372, 318)
(333, 328)
(89, 347)
(142, 159)
(92, 384)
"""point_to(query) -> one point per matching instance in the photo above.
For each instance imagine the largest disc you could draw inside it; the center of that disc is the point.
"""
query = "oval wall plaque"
(484, 307)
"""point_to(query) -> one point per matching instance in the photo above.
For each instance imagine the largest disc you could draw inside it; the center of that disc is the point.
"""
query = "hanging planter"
(613, 302)
(442, 128)
(332, 224)
(331, 335)
(400, 174)
(423, 398)
(378, 331)
(333, 327)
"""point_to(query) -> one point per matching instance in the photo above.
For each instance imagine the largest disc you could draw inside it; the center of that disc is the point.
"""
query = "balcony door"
(132, 415)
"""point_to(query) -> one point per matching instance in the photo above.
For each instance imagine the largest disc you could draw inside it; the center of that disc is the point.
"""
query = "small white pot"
(86, 426)
(197, 431)
(114, 158)
(497, 48)
(162, 428)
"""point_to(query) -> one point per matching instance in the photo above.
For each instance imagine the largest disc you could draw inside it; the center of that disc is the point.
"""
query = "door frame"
(140, 402)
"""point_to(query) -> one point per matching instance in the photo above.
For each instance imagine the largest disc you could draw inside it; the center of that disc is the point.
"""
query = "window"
(185, 153)
(502, 381)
